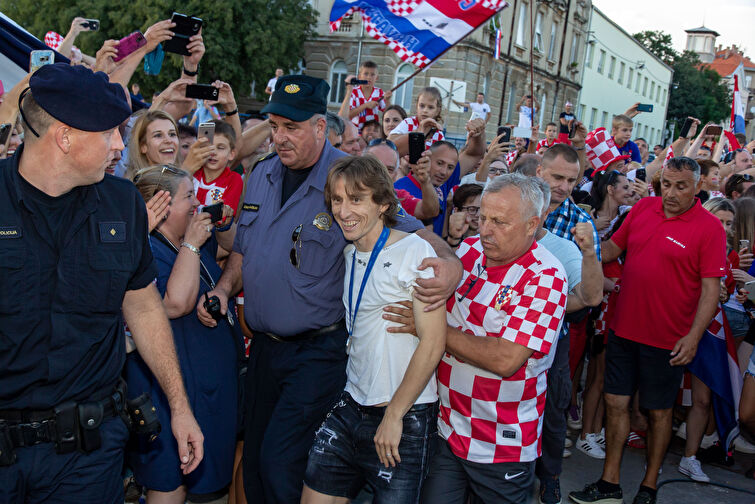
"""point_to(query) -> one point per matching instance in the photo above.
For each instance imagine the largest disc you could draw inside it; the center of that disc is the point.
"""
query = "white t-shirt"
(378, 359)
(481, 109)
(271, 85)
(525, 117)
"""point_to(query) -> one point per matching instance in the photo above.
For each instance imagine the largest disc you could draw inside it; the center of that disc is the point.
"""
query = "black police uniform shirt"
(65, 265)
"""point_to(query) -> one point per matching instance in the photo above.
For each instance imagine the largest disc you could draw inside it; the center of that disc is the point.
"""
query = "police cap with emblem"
(78, 97)
(298, 97)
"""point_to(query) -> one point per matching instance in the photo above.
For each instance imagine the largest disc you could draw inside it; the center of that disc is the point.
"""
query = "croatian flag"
(418, 31)
(715, 364)
(498, 37)
(737, 123)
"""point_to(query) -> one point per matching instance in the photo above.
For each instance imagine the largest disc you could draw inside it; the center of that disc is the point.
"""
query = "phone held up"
(215, 210)
(645, 107)
(207, 130)
(38, 59)
(186, 27)
(202, 92)
(129, 44)
(416, 146)
(505, 133)
(91, 24)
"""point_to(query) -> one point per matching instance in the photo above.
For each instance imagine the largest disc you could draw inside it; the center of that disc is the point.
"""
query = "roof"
(703, 29)
(728, 60)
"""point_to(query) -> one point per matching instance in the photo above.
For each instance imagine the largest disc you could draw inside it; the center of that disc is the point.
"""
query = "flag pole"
(532, 66)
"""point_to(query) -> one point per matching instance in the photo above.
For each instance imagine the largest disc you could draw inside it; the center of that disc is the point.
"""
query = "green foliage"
(658, 43)
(245, 40)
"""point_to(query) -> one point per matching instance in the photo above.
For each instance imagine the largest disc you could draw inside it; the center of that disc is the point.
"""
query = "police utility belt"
(74, 426)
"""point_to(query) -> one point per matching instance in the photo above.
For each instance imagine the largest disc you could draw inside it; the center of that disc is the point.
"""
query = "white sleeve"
(401, 129)
(414, 255)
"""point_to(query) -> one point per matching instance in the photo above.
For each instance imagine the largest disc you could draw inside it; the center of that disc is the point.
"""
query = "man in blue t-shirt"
(445, 174)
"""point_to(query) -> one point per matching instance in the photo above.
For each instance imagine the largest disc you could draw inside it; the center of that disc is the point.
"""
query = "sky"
(733, 19)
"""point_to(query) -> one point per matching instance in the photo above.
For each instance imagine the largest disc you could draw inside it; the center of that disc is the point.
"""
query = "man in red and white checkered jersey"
(504, 321)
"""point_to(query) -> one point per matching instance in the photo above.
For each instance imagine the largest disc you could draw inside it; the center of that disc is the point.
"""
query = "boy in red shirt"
(551, 134)
(215, 181)
(367, 101)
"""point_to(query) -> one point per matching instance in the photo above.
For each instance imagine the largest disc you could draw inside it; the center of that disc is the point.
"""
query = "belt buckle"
(36, 433)
(275, 337)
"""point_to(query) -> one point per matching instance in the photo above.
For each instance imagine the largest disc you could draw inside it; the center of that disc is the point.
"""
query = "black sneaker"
(644, 497)
(550, 491)
(591, 495)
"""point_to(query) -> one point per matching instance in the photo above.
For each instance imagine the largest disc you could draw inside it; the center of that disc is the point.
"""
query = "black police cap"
(78, 97)
(298, 97)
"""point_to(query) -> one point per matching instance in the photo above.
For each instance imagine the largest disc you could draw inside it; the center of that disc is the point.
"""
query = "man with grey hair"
(503, 320)
(657, 325)
(334, 130)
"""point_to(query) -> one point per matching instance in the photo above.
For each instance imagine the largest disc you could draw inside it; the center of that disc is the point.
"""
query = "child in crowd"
(371, 130)
(367, 100)
(428, 121)
(551, 132)
(215, 181)
(621, 132)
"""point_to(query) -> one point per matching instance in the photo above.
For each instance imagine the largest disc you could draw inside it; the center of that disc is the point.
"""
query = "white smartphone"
(521, 132)
(206, 130)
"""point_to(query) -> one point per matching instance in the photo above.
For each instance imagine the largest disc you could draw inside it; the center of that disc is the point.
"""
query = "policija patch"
(250, 207)
(10, 232)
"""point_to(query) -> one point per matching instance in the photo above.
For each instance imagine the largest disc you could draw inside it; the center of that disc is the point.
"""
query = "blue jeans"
(343, 457)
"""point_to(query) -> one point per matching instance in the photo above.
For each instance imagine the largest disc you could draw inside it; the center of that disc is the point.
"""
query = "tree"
(245, 40)
(658, 43)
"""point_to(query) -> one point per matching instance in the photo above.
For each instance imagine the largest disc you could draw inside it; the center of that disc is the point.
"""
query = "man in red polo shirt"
(669, 290)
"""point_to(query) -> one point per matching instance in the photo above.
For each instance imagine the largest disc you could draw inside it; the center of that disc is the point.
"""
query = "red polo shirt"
(665, 264)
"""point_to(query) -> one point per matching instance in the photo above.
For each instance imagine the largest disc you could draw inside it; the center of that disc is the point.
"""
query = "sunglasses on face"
(380, 141)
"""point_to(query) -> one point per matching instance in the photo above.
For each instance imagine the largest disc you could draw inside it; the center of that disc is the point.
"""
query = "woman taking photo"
(185, 249)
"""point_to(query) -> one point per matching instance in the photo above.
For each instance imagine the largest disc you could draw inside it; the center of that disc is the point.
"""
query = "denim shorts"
(343, 457)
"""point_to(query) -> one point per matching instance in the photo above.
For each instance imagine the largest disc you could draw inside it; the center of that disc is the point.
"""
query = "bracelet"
(232, 112)
(191, 74)
(190, 247)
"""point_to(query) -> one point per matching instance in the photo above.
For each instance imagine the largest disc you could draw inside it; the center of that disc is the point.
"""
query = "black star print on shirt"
(386, 265)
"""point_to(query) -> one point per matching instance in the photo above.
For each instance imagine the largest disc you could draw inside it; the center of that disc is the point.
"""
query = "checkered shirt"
(543, 145)
(368, 114)
(562, 219)
(511, 157)
(486, 418)
(412, 123)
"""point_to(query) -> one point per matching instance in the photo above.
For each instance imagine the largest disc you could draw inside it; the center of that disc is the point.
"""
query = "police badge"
(322, 221)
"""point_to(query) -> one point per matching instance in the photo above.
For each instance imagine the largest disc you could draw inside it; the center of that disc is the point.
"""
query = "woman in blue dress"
(185, 251)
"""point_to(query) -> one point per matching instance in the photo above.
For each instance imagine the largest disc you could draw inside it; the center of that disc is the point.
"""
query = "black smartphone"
(506, 132)
(645, 107)
(215, 210)
(91, 24)
(202, 92)
(416, 146)
(571, 128)
(641, 174)
(5, 130)
(186, 27)
(357, 82)
(685, 128)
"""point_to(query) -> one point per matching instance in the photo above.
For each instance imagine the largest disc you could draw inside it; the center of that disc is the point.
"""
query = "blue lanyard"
(373, 257)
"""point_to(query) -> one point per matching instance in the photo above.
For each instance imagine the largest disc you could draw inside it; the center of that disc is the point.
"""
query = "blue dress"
(208, 358)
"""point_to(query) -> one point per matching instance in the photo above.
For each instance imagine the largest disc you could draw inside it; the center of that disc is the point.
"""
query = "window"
(602, 61)
(645, 87)
(539, 32)
(748, 81)
(593, 116)
(604, 120)
(403, 95)
(574, 55)
(658, 93)
(664, 97)
(520, 27)
(629, 79)
(552, 43)
(637, 83)
(652, 89)
(542, 113)
(611, 67)
(510, 112)
(581, 113)
(338, 73)
(646, 131)
(620, 79)
(590, 53)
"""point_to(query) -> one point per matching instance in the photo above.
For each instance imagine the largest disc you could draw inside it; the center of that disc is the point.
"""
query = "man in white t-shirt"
(479, 108)
(271, 83)
(380, 431)
(526, 114)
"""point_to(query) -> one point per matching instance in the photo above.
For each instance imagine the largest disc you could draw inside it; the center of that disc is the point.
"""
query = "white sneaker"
(567, 453)
(574, 418)
(709, 441)
(568, 443)
(743, 446)
(690, 466)
(682, 431)
(589, 447)
(600, 438)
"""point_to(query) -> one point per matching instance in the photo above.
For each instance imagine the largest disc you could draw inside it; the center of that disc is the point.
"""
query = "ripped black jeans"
(343, 459)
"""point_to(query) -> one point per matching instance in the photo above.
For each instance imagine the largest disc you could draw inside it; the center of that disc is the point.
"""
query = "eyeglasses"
(741, 177)
(498, 171)
(163, 168)
(293, 255)
(380, 141)
(471, 210)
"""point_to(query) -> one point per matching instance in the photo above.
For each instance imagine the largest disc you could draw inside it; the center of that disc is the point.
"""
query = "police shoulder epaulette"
(264, 157)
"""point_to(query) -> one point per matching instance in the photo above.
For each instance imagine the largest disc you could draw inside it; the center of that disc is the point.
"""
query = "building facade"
(559, 31)
(619, 72)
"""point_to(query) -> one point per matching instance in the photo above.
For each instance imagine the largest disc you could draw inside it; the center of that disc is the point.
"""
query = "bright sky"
(731, 18)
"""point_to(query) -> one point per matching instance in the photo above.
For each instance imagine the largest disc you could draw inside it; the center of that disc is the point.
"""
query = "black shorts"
(632, 366)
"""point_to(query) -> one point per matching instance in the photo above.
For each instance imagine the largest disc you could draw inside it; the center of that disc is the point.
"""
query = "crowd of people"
(308, 305)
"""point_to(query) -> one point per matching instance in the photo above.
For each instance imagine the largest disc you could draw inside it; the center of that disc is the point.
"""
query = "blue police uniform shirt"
(61, 328)
(278, 297)
(411, 185)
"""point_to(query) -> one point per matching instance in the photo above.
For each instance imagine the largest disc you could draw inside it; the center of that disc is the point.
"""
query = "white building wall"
(612, 59)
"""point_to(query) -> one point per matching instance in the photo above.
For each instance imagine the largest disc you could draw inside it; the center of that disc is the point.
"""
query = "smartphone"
(685, 128)
(129, 44)
(571, 128)
(38, 59)
(645, 107)
(207, 130)
(357, 82)
(186, 27)
(522, 132)
(202, 92)
(215, 210)
(91, 24)
(744, 244)
(750, 288)
(714, 130)
(416, 146)
(5, 130)
(641, 174)
(506, 132)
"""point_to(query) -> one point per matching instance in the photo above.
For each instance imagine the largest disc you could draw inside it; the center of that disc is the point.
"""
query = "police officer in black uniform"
(74, 255)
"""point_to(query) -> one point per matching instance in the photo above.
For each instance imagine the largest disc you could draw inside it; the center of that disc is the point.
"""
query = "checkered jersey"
(368, 114)
(486, 418)
(511, 157)
(562, 219)
(412, 123)
(543, 145)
